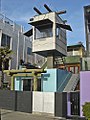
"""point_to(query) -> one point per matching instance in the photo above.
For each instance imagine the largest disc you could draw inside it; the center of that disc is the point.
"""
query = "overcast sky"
(21, 11)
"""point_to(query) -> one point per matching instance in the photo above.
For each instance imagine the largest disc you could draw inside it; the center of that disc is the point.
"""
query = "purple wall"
(84, 88)
(68, 105)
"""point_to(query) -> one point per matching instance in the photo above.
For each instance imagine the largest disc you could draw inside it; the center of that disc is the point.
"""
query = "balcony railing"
(6, 20)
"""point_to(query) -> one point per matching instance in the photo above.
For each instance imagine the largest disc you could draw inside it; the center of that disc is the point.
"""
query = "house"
(73, 60)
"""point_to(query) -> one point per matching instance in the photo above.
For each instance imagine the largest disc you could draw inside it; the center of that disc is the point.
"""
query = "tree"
(5, 55)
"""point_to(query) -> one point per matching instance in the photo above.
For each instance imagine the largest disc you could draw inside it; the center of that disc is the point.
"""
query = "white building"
(11, 35)
(49, 35)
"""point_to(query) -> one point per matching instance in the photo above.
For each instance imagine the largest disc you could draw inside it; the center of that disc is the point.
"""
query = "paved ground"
(14, 115)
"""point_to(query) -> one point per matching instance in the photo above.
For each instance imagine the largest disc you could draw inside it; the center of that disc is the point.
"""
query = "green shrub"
(86, 110)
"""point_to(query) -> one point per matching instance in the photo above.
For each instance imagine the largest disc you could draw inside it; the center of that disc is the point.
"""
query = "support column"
(35, 82)
(50, 60)
(12, 83)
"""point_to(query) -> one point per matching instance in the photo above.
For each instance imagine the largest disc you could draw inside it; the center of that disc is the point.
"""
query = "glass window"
(29, 51)
(43, 31)
(5, 41)
(57, 32)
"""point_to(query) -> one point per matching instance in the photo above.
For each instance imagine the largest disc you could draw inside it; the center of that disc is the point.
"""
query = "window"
(43, 31)
(5, 41)
(29, 51)
(57, 31)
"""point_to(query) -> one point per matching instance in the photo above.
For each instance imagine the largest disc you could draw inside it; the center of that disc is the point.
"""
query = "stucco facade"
(84, 88)
(11, 34)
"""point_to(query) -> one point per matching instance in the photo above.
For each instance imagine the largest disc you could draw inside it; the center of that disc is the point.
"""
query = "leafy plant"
(5, 55)
(86, 110)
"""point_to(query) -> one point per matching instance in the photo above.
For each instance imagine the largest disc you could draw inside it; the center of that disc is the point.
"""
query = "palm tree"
(5, 55)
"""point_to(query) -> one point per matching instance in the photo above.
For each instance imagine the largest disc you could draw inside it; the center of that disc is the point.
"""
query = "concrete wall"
(50, 43)
(7, 99)
(52, 103)
(84, 88)
(61, 41)
(13, 100)
(44, 103)
(60, 104)
(24, 101)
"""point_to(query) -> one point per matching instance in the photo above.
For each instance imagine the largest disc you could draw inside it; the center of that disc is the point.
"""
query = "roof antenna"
(37, 10)
(48, 9)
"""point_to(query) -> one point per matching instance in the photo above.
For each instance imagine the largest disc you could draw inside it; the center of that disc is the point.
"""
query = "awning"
(29, 33)
(64, 26)
(41, 22)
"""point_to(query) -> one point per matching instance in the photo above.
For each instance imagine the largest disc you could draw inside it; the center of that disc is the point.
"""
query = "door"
(27, 85)
(75, 103)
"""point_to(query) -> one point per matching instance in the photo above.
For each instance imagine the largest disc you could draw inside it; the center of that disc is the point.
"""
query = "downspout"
(17, 52)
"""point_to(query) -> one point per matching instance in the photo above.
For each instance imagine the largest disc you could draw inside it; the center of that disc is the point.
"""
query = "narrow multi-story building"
(87, 28)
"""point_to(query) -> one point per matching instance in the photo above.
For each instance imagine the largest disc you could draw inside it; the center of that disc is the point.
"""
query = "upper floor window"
(29, 51)
(60, 33)
(5, 41)
(43, 31)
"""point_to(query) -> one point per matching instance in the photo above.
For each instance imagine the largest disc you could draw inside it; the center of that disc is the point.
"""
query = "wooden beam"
(23, 71)
(26, 75)
(37, 10)
(61, 12)
(49, 10)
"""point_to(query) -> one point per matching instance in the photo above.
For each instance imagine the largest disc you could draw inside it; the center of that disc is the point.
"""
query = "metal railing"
(6, 20)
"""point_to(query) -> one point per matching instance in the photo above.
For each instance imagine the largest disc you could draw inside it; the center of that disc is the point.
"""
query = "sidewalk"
(15, 115)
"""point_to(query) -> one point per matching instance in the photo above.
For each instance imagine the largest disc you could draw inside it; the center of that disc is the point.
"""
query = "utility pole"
(0, 5)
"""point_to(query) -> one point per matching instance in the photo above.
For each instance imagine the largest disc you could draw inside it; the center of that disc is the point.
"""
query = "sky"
(20, 11)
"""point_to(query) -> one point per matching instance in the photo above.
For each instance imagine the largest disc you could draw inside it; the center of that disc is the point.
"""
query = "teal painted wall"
(48, 80)
(63, 76)
(19, 83)
(54, 80)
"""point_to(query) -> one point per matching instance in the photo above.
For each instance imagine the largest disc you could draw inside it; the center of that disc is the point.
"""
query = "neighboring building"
(73, 60)
(85, 63)
(76, 50)
(87, 28)
(11, 35)
(84, 89)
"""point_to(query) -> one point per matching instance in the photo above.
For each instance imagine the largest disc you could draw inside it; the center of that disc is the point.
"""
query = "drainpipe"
(17, 52)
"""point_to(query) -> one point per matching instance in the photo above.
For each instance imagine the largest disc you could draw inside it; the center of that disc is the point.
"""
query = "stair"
(71, 85)
(44, 65)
